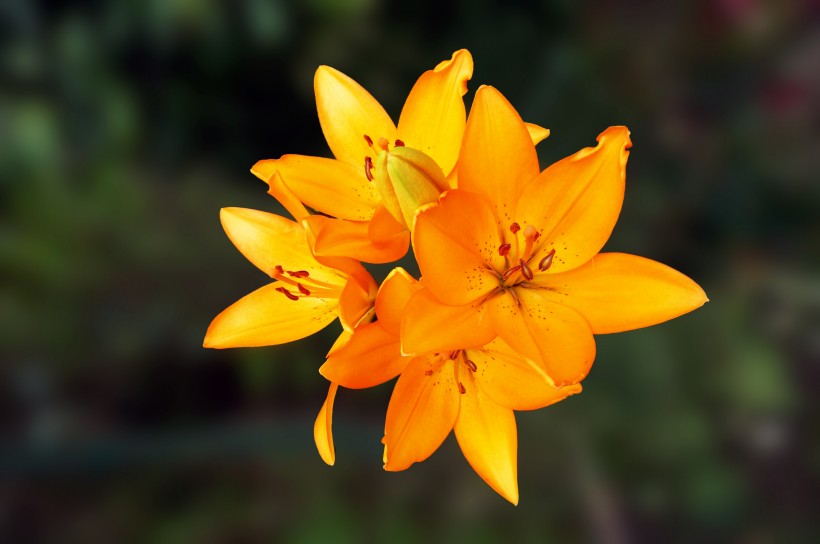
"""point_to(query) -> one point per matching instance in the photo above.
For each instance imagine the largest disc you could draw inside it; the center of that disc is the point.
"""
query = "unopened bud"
(407, 179)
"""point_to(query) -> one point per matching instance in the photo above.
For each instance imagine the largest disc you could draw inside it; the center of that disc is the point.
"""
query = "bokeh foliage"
(125, 126)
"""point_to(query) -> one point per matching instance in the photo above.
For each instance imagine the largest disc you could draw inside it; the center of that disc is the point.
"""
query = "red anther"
(546, 262)
(454, 354)
(525, 270)
(428, 372)
(299, 274)
(511, 271)
(471, 365)
(302, 289)
(515, 227)
(399, 143)
(503, 249)
(287, 293)
(368, 166)
(278, 269)
(368, 140)
(461, 388)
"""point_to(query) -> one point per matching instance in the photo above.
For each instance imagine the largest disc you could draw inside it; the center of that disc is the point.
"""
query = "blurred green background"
(125, 126)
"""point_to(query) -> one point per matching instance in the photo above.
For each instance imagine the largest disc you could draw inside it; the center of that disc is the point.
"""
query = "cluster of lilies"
(513, 285)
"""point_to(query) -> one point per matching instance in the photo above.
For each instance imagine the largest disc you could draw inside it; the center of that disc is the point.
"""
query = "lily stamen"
(368, 167)
(546, 262)
(287, 293)
(525, 270)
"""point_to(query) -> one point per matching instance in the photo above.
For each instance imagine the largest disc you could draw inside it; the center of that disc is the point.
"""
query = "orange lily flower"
(306, 296)
(358, 130)
(514, 252)
(470, 391)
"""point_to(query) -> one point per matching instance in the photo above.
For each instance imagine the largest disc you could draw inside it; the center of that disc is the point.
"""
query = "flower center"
(303, 285)
(459, 359)
(520, 256)
(382, 144)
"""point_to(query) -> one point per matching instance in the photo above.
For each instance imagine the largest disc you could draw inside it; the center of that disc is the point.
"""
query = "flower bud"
(407, 179)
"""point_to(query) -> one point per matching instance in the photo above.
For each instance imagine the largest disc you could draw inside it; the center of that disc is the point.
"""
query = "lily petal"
(456, 244)
(356, 300)
(323, 428)
(394, 294)
(487, 436)
(429, 326)
(421, 413)
(617, 292)
(340, 238)
(538, 134)
(282, 193)
(268, 240)
(331, 187)
(385, 231)
(369, 358)
(497, 156)
(576, 201)
(514, 381)
(549, 333)
(267, 317)
(347, 113)
(433, 117)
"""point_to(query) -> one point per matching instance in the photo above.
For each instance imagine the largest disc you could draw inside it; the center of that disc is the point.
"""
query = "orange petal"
(323, 428)
(385, 232)
(514, 381)
(456, 244)
(267, 317)
(551, 334)
(576, 201)
(278, 190)
(394, 293)
(429, 326)
(616, 292)
(332, 187)
(497, 155)
(487, 436)
(538, 134)
(268, 240)
(369, 358)
(421, 413)
(347, 113)
(433, 116)
(357, 299)
(340, 238)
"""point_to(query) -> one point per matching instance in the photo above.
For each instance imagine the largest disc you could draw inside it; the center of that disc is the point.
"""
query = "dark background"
(125, 126)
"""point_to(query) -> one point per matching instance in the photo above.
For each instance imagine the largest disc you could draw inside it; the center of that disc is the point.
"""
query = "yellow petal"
(323, 428)
(394, 294)
(347, 113)
(616, 292)
(538, 134)
(269, 240)
(575, 202)
(497, 155)
(551, 334)
(456, 244)
(433, 116)
(370, 357)
(331, 187)
(267, 317)
(340, 238)
(429, 326)
(421, 412)
(514, 381)
(487, 436)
